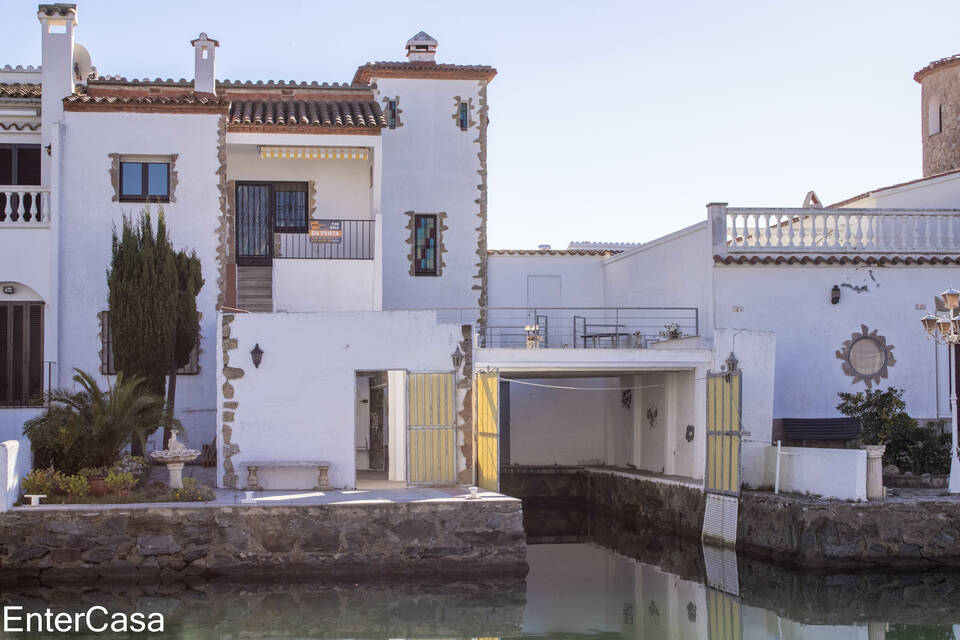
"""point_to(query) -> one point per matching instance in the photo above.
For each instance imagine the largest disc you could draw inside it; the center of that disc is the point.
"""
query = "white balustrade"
(837, 230)
(24, 206)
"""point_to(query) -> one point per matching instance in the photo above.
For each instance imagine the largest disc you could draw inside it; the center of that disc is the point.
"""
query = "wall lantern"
(732, 363)
(951, 298)
(9, 289)
(929, 323)
(835, 294)
(257, 354)
(457, 357)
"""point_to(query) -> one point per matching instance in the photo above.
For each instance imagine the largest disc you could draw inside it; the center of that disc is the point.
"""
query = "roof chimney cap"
(204, 39)
(421, 48)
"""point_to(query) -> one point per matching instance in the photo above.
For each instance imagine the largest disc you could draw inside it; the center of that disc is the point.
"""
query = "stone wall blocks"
(232, 373)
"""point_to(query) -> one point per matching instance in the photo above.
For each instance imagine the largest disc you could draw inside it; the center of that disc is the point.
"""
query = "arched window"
(21, 345)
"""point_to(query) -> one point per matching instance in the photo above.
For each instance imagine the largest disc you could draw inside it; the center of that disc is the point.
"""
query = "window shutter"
(35, 352)
(5, 348)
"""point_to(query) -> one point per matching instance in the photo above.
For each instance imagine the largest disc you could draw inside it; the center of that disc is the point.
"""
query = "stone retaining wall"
(637, 500)
(150, 544)
(814, 533)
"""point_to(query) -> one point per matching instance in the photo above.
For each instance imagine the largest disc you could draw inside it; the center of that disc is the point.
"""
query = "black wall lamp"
(9, 289)
(257, 354)
(457, 357)
(835, 294)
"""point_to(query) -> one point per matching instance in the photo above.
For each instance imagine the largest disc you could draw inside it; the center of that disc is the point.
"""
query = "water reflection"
(589, 578)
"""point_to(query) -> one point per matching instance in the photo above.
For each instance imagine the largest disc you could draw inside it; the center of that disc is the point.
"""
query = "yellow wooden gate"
(431, 429)
(487, 388)
(722, 479)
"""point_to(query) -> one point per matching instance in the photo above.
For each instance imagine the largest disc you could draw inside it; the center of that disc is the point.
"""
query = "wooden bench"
(253, 481)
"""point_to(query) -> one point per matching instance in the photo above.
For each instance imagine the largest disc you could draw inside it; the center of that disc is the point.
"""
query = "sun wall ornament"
(652, 415)
(866, 356)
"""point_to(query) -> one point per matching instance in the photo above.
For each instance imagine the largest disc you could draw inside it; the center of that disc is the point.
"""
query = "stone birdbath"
(174, 456)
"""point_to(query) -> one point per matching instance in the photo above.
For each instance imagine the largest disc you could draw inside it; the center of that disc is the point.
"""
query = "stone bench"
(253, 481)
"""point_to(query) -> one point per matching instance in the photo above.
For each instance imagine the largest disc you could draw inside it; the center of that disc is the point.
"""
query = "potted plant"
(96, 480)
(120, 482)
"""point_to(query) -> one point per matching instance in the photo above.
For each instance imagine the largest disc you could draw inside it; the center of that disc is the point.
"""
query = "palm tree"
(90, 427)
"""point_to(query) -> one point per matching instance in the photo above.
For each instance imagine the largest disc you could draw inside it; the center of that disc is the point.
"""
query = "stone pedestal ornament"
(875, 471)
(174, 456)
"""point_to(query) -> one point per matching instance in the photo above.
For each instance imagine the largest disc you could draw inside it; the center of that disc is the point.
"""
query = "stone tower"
(940, 115)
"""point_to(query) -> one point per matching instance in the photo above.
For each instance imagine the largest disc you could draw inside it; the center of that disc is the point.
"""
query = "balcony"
(356, 242)
(576, 327)
(755, 231)
(24, 207)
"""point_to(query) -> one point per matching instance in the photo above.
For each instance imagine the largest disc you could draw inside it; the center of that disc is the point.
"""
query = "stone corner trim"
(228, 447)
(481, 202)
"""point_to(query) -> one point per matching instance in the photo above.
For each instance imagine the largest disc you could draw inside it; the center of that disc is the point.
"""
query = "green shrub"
(39, 482)
(885, 421)
(89, 427)
(118, 481)
(75, 486)
(193, 491)
(94, 472)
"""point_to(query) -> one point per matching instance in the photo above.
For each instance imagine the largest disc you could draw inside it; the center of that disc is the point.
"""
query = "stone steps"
(255, 288)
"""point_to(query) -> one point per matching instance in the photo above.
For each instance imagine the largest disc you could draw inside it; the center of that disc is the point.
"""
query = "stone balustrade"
(832, 231)
(24, 206)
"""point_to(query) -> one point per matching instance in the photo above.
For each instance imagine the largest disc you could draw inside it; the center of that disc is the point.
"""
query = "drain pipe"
(776, 481)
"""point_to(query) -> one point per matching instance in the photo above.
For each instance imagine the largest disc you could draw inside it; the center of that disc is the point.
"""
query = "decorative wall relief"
(652, 414)
(690, 433)
(866, 356)
(626, 398)
(691, 612)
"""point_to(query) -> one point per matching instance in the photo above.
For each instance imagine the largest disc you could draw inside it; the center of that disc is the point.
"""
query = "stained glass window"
(425, 251)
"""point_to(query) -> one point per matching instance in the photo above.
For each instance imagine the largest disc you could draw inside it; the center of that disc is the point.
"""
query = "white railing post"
(22, 214)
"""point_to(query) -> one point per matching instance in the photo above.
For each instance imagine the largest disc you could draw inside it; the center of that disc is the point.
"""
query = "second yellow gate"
(487, 388)
(431, 429)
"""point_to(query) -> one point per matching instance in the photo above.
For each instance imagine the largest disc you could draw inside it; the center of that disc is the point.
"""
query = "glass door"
(254, 224)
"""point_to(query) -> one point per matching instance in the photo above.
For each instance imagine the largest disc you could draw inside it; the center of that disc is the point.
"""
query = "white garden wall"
(328, 285)
(299, 404)
(831, 473)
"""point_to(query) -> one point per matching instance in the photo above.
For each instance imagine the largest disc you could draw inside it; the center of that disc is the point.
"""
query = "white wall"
(662, 447)
(343, 186)
(794, 301)
(831, 473)
(559, 426)
(581, 279)
(10, 473)
(328, 285)
(938, 193)
(87, 219)
(756, 353)
(672, 271)
(430, 166)
(299, 404)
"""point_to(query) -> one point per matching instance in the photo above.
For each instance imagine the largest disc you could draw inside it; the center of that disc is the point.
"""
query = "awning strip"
(313, 153)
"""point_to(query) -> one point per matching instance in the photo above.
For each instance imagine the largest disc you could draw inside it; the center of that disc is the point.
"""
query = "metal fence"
(576, 327)
(357, 243)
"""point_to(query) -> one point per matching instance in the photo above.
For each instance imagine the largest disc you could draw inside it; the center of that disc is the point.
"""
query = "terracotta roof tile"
(423, 70)
(188, 102)
(834, 260)
(360, 114)
(936, 64)
(19, 90)
(257, 84)
(552, 252)
(58, 9)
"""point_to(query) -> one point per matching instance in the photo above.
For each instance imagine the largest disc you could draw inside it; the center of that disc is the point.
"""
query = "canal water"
(589, 578)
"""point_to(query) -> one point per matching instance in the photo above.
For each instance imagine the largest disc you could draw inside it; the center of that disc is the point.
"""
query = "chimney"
(204, 71)
(421, 48)
(57, 23)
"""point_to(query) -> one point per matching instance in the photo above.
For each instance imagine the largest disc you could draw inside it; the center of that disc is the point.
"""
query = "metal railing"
(575, 327)
(357, 243)
(24, 206)
(26, 383)
(743, 230)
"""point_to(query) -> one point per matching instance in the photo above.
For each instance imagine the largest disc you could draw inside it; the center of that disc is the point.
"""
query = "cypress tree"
(152, 299)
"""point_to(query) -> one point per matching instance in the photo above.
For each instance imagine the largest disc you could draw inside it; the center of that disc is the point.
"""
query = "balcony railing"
(576, 327)
(835, 230)
(357, 243)
(24, 206)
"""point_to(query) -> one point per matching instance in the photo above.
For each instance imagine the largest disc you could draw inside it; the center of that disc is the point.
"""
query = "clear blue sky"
(609, 120)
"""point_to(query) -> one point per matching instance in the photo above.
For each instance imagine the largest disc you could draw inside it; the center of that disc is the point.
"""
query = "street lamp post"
(946, 329)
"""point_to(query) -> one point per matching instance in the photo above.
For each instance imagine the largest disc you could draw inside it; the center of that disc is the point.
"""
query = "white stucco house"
(354, 318)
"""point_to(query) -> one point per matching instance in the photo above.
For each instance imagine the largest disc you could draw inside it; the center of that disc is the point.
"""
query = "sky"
(609, 121)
